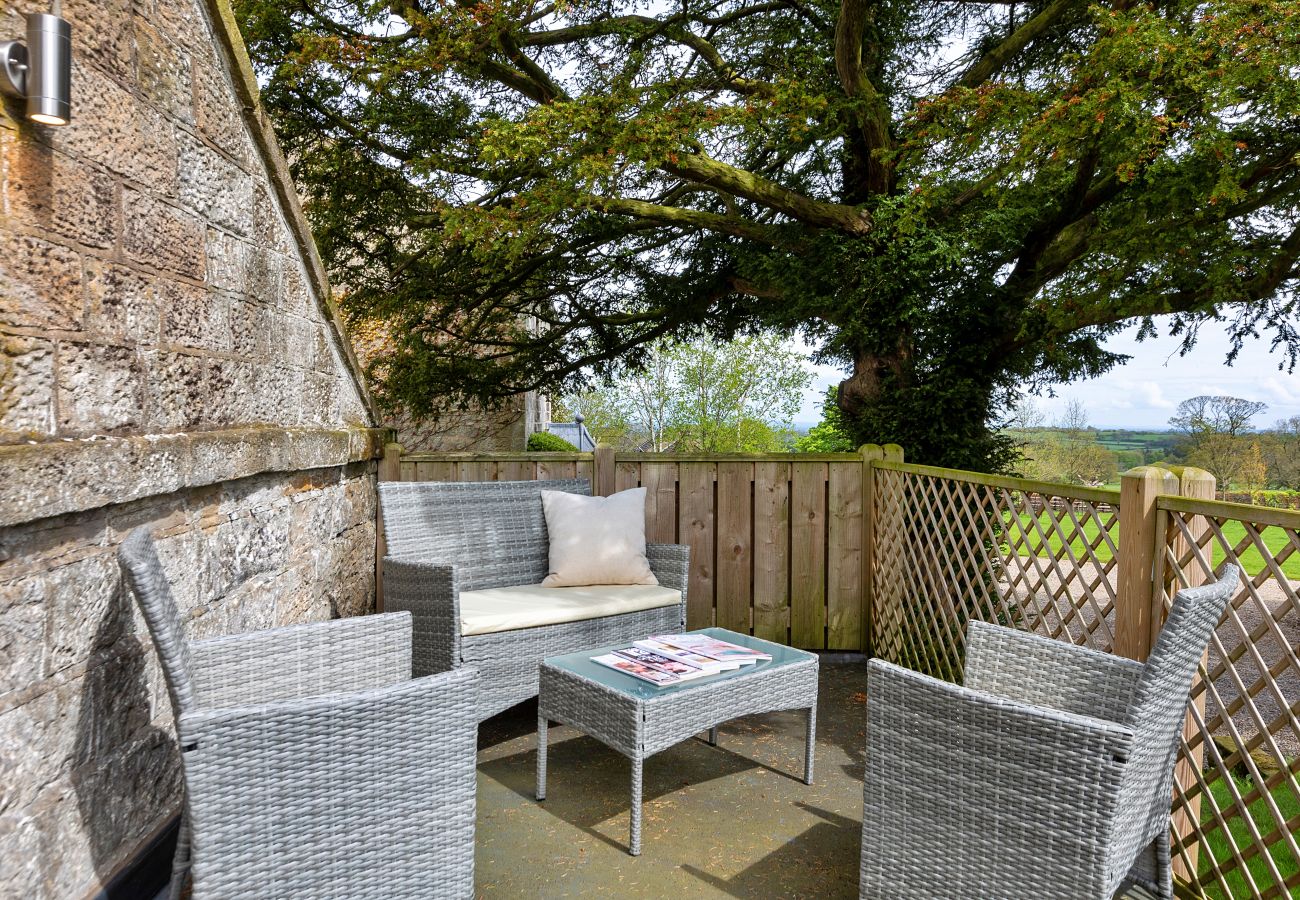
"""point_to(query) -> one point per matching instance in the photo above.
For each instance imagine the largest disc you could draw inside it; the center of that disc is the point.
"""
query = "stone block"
(56, 195)
(214, 188)
(40, 285)
(219, 118)
(323, 357)
(320, 399)
(163, 73)
(296, 297)
(121, 303)
(26, 388)
(299, 348)
(227, 261)
(268, 225)
(22, 632)
(249, 327)
(162, 235)
(101, 36)
(113, 129)
(177, 390)
(193, 316)
(252, 543)
(44, 739)
(100, 388)
(84, 605)
(266, 276)
(20, 847)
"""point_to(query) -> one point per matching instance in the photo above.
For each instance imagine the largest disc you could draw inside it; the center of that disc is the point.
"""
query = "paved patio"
(726, 821)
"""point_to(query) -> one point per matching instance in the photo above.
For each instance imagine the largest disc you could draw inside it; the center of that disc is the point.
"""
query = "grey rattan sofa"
(292, 790)
(1049, 775)
(445, 538)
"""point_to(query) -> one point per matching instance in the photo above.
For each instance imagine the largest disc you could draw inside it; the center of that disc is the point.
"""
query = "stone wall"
(502, 430)
(169, 358)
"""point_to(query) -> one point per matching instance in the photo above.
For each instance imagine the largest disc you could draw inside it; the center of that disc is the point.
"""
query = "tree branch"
(682, 217)
(992, 62)
(705, 170)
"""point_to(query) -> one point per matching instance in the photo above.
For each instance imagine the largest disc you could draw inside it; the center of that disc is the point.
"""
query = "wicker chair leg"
(181, 859)
(1164, 870)
(811, 746)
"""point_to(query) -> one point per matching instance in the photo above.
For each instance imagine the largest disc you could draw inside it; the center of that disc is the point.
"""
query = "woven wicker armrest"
(961, 778)
(302, 660)
(430, 592)
(278, 792)
(671, 564)
(1041, 671)
(985, 742)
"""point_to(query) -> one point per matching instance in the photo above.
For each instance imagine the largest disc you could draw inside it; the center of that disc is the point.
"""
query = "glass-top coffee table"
(638, 719)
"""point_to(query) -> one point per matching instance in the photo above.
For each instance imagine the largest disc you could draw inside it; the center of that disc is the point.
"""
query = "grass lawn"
(1286, 864)
(1274, 538)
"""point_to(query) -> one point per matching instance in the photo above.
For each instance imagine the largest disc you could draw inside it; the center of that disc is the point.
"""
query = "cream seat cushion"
(531, 605)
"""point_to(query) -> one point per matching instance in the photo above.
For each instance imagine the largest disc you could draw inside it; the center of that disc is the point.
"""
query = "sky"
(1144, 392)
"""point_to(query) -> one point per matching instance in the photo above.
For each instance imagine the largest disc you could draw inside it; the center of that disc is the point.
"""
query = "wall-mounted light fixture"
(41, 70)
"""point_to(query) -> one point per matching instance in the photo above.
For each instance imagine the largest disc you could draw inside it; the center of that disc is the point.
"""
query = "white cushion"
(596, 540)
(532, 605)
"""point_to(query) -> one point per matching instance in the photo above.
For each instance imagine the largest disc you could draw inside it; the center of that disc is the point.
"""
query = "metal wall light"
(41, 70)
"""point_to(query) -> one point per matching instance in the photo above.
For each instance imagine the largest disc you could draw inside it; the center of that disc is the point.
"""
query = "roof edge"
(268, 146)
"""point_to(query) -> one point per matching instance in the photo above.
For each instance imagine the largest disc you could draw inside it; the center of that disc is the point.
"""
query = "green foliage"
(713, 396)
(545, 442)
(830, 435)
(531, 196)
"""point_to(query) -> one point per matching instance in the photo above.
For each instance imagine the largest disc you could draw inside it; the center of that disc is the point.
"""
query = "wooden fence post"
(603, 470)
(1139, 544)
(390, 469)
(869, 454)
(1199, 484)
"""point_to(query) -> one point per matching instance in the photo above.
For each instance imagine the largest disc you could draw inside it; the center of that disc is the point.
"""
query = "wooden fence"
(778, 541)
(864, 551)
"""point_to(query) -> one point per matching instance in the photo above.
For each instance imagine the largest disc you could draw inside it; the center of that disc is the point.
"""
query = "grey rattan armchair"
(314, 765)
(444, 538)
(1048, 775)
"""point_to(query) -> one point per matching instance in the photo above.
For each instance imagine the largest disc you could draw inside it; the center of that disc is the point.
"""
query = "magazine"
(704, 645)
(704, 663)
(663, 663)
(655, 676)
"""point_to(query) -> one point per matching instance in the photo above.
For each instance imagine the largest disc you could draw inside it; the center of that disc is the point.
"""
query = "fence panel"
(777, 540)
(953, 546)
(1238, 801)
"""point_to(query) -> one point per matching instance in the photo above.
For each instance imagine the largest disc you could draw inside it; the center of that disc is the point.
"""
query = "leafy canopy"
(949, 197)
(703, 395)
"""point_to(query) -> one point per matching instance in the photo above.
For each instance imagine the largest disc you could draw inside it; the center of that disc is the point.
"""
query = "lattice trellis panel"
(955, 546)
(1237, 803)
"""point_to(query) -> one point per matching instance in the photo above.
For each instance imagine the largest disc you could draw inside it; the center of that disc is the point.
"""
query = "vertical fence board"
(583, 468)
(550, 469)
(627, 475)
(772, 551)
(696, 531)
(844, 557)
(515, 470)
(808, 555)
(735, 548)
(660, 480)
(406, 471)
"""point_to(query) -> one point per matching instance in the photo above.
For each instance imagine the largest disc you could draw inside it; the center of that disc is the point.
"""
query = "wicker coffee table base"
(639, 728)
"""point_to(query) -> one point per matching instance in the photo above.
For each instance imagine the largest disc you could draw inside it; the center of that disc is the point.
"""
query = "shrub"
(544, 442)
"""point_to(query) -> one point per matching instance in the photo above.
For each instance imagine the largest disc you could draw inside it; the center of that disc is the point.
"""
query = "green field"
(1274, 538)
(1286, 864)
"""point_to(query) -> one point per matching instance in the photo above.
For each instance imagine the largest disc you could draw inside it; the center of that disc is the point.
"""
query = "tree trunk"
(940, 418)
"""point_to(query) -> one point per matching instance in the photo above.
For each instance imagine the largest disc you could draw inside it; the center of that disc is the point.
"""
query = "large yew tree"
(948, 197)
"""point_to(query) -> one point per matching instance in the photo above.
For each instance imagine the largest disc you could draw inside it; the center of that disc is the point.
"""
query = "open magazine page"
(706, 663)
(663, 663)
(636, 669)
(702, 644)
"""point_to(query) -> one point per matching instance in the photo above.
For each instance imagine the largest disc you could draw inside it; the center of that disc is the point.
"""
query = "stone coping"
(53, 478)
